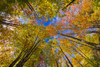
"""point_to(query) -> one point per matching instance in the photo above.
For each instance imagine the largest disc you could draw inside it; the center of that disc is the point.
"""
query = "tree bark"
(16, 60)
(89, 43)
(66, 57)
(24, 59)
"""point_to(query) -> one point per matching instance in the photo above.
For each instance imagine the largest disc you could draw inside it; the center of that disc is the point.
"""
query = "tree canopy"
(49, 33)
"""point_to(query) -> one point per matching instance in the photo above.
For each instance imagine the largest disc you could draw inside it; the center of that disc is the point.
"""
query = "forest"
(49, 33)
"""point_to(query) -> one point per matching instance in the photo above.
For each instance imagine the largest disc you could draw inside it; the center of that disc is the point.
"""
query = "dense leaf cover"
(49, 33)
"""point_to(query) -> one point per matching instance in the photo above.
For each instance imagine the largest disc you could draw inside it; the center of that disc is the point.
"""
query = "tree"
(28, 39)
(74, 40)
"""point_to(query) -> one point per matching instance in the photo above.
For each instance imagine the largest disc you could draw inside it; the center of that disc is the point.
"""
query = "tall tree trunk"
(57, 63)
(24, 59)
(20, 64)
(89, 43)
(29, 54)
(66, 63)
(66, 57)
(16, 60)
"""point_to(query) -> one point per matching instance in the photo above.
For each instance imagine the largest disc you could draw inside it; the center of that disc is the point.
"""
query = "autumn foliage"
(49, 33)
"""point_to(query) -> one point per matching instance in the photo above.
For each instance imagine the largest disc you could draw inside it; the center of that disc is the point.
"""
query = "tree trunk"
(66, 57)
(24, 59)
(16, 60)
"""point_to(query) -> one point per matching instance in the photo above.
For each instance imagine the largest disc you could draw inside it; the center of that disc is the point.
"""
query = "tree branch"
(97, 32)
(10, 24)
(68, 4)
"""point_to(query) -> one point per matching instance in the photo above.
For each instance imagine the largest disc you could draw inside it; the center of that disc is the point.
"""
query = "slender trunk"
(24, 59)
(78, 62)
(94, 48)
(66, 57)
(57, 63)
(66, 63)
(16, 60)
(88, 60)
(31, 8)
(89, 43)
